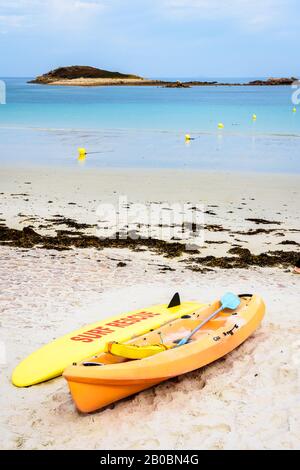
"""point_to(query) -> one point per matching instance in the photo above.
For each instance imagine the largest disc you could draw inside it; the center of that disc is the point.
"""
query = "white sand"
(248, 400)
(231, 197)
(103, 82)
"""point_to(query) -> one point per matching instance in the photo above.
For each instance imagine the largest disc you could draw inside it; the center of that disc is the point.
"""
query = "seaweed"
(28, 238)
(263, 221)
(70, 223)
(289, 242)
(238, 257)
(243, 258)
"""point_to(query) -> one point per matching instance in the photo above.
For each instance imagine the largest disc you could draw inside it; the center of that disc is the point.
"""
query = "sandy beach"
(106, 82)
(247, 400)
(150, 172)
(254, 211)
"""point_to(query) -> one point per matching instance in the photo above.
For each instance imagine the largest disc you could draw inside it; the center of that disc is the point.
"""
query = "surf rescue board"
(51, 360)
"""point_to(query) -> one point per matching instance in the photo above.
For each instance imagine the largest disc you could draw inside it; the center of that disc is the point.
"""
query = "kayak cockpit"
(168, 336)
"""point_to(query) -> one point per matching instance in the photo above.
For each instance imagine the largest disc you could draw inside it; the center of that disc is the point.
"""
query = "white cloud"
(73, 6)
(21, 4)
(59, 13)
(71, 14)
(254, 13)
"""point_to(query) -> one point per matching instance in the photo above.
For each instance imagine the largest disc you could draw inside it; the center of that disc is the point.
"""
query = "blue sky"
(154, 38)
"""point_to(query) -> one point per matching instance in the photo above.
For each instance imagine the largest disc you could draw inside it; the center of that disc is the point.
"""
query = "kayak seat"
(132, 351)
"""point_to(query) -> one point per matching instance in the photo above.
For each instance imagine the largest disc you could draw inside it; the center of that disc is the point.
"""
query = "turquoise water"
(145, 126)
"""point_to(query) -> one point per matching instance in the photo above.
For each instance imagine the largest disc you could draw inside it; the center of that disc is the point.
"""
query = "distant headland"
(78, 75)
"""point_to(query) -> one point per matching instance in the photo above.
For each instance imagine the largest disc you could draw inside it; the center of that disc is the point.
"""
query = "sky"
(152, 38)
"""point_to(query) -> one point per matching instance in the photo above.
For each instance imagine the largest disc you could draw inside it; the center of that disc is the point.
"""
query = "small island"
(79, 75)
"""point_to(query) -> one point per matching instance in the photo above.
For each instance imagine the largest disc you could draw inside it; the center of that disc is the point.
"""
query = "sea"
(145, 127)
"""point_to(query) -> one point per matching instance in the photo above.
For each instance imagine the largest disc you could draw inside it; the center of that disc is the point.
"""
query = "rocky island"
(78, 75)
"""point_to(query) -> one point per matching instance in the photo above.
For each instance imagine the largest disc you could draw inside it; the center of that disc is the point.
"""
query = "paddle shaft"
(186, 339)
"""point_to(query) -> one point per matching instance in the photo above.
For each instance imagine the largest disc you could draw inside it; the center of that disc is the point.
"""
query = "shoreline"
(196, 132)
(90, 82)
(122, 170)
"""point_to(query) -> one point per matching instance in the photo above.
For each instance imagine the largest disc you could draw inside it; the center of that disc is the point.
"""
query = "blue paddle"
(229, 300)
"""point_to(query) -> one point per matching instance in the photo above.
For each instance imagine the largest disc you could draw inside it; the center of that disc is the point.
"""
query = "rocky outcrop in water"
(274, 82)
(177, 85)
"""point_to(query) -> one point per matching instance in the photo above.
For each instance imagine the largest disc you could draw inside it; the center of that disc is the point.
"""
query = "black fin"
(175, 301)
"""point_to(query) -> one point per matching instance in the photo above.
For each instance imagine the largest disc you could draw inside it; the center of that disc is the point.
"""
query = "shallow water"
(145, 127)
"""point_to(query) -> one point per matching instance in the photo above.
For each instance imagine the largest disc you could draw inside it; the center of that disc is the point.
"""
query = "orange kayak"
(145, 361)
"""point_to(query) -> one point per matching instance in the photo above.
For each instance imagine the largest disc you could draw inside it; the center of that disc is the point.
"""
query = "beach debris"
(121, 264)
(289, 242)
(263, 221)
(68, 222)
(240, 257)
(29, 238)
(297, 267)
(243, 258)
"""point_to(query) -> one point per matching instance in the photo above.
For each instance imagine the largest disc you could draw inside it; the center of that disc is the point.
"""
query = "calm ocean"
(145, 127)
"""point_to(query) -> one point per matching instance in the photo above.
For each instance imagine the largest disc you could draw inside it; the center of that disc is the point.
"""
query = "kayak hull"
(91, 397)
(93, 388)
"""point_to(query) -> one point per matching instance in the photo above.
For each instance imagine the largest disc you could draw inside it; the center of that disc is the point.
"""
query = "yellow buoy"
(81, 153)
(254, 117)
(294, 109)
(221, 125)
(187, 137)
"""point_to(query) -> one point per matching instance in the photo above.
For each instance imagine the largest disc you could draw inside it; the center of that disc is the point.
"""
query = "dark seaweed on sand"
(64, 240)
(243, 258)
(264, 222)
(29, 238)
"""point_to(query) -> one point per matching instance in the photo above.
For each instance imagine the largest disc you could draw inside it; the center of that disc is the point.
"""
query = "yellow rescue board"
(51, 360)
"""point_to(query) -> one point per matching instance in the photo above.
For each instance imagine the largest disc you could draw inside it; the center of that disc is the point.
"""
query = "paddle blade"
(182, 342)
(230, 301)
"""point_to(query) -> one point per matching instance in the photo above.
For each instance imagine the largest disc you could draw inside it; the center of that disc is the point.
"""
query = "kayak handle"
(92, 364)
